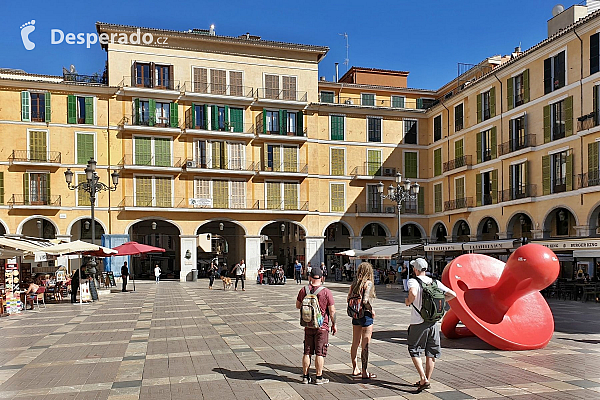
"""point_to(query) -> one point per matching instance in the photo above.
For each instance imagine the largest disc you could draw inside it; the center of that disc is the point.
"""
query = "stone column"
(64, 238)
(188, 256)
(449, 238)
(473, 238)
(582, 230)
(537, 233)
(502, 235)
(356, 242)
(315, 250)
(252, 257)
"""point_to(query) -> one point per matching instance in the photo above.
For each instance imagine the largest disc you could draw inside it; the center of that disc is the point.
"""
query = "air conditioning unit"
(349, 101)
(389, 172)
(190, 164)
(390, 209)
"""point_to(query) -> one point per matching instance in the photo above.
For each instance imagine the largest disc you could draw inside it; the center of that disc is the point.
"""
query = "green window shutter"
(299, 123)
(174, 115)
(151, 112)
(547, 130)
(479, 155)
(48, 186)
(89, 110)
(478, 190)
(226, 118)
(265, 157)
(437, 198)
(85, 147)
(264, 121)
(592, 158)
(421, 201)
(214, 117)
(205, 122)
(511, 169)
(283, 122)
(419, 103)
(192, 116)
(337, 162)
(494, 147)
(479, 108)
(337, 197)
(495, 186)
(162, 152)
(569, 177)
(437, 162)
(546, 174)
(236, 116)
(526, 86)
(143, 150)
(72, 109)
(337, 127)
(25, 106)
(510, 98)
(374, 162)
(25, 188)
(48, 113)
(136, 111)
(569, 116)
(492, 102)
(458, 149)
(410, 165)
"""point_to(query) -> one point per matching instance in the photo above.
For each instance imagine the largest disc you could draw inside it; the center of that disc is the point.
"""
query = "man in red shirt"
(316, 340)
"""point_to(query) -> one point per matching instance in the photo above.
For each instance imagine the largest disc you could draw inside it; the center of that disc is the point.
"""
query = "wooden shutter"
(494, 146)
(273, 195)
(494, 186)
(410, 164)
(546, 174)
(459, 149)
(479, 152)
(216, 161)
(218, 81)
(437, 197)
(526, 86)
(220, 194)
(205, 121)
(478, 190)
(277, 161)
(479, 108)
(511, 173)
(163, 191)
(264, 121)
(85, 147)
(236, 116)
(214, 116)
(235, 84)
(421, 200)
(569, 116)
(174, 115)
(151, 112)
(25, 106)
(300, 123)
(374, 162)
(48, 113)
(72, 109)
(290, 196)
(337, 162)
(526, 166)
(83, 197)
(337, 127)
(143, 191)
(460, 188)
(202, 189)
(569, 177)
(48, 188)
(162, 152)
(136, 112)
(594, 53)
(282, 122)
(191, 116)
(143, 150)
(595, 102)
(38, 150)
(238, 194)
(26, 188)
(290, 159)
(1, 187)
(547, 124)
(437, 162)
(593, 158)
(548, 75)
(337, 197)
(419, 103)
(89, 110)
(492, 102)
(226, 118)
(200, 80)
(510, 96)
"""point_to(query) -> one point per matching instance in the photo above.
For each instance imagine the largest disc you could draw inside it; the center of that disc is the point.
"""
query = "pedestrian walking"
(124, 276)
(213, 271)
(298, 272)
(317, 315)
(348, 268)
(404, 276)
(324, 269)
(308, 269)
(424, 331)
(360, 295)
(157, 272)
(240, 271)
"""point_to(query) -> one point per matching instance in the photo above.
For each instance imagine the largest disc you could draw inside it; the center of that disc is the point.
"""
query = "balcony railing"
(150, 83)
(260, 129)
(285, 167)
(283, 95)
(587, 121)
(218, 89)
(153, 161)
(373, 169)
(147, 120)
(35, 156)
(281, 205)
(153, 202)
(559, 185)
(33, 200)
(458, 163)
(516, 144)
(517, 192)
(77, 78)
(458, 204)
(231, 165)
(410, 207)
(590, 178)
(192, 123)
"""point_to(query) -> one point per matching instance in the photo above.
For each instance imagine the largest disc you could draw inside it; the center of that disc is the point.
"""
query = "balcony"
(587, 121)
(518, 143)
(589, 179)
(33, 201)
(559, 185)
(280, 206)
(517, 192)
(95, 79)
(464, 161)
(34, 157)
(373, 170)
(386, 209)
(293, 136)
(292, 170)
(458, 204)
(205, 166)
(150, 163)
(227, 130)
(217, 90)
(151, 202)
(152, 87)
(280, 96)
(150, 125)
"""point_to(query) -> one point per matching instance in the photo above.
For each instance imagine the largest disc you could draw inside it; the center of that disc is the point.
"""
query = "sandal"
(358, 375)
(423, 386)
(369, 376)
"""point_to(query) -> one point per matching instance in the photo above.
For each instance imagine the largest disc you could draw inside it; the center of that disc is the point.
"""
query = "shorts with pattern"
(316, 341)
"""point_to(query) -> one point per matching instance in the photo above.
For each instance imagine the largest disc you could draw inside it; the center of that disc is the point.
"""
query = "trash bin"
(194, 275)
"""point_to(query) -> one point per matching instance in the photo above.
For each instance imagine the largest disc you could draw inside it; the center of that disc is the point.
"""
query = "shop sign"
(489, 245)
(570, 244)
(444, 247)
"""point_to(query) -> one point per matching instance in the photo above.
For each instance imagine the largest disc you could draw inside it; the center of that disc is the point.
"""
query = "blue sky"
(427, 38)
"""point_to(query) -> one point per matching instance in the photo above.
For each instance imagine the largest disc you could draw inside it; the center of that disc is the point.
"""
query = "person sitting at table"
(31, 293)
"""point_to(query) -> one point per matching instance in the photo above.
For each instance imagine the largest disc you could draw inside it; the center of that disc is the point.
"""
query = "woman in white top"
(157, 273)
(240, 272)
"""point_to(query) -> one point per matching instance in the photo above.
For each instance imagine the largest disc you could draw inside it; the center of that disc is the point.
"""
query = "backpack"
(355, 307)
(310, 311)
(433, 301)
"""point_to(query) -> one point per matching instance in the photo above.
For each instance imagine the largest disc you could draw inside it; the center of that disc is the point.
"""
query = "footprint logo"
(26, 29)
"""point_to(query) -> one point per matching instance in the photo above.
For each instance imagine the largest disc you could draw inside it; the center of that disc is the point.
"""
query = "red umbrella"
(134, 248)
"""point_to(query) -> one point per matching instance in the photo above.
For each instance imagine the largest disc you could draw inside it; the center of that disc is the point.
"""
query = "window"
(458, 117)
(218, 81)
(338, 156)
(1, 187)
(218, 155)
(338, 197)
(143, 76)
(272, 86)
(38, 107)
(593, 174)
(162, 114)
(437, 162)
(518, 90)
(83, 197)
(437, 198)
(459, 188)
(518, 181)
(198, 116)
(486, 145)
(153, 191)
(80, 110)
(289, 87)
(37, 188)
(163, 79)
(238, 194)
(517, 138)
(374, 129)
(291, 123)
(85, 147)
(236, 119)
(152, 151)
(594, 53)
(273, 200)
(397, 101)
(437, 128)
(459, 153)
(337, 127)
(486, 105)
(558, 120)
(236, 156)
(220, 193)
(200, 80)
(487, 187)
(153, 113)
(374, 201)
(272, 122)
(411, 164)
(374, 162)
(200, 154)
(274, 161)
(281, 122)
(290, 158)
(288, 191)
(367, 99)
(38, 146)
(424, 104)
(554, 72)
(559, 172)
(236, 87)
(327, 97)
(410, 131)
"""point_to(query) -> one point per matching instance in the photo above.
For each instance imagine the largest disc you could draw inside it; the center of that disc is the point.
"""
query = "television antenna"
(346, 60)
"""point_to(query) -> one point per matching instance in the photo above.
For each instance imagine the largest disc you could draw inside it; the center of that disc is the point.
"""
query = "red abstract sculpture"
(501, 303)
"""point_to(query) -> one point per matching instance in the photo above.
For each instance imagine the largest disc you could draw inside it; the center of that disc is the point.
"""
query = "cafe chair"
(589, 291)
(39, 295)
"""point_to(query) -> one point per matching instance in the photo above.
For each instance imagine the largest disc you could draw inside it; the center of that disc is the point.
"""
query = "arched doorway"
(487, 229)
(519, 227)
(158, 233)
(283, 242)
(559, 222)
(594, 222)
(439, 233)
(461, 231)
(39, 227)
(82, 230)
(221, 240)
(337, 239)
(411, 234)
(373, 234)
(2, 229)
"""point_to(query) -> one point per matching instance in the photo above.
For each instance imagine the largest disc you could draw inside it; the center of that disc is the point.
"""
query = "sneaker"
(306, 379)
(321, 381)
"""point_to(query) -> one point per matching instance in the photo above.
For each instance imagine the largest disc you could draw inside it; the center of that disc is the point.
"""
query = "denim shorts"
(365, 321)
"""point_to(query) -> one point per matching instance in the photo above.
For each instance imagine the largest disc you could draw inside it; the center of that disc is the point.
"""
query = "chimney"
(562, 18)
(337, 71)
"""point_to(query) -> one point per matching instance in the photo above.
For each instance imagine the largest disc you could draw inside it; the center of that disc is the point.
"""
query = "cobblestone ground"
(182, 341)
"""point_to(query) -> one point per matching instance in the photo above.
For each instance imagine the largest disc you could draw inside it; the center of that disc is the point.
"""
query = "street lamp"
(92, 185)
(404, 190)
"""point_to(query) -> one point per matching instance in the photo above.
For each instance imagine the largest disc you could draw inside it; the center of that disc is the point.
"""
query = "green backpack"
(433, 301)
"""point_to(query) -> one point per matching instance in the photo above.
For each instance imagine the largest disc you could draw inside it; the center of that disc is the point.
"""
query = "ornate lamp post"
(404, 190)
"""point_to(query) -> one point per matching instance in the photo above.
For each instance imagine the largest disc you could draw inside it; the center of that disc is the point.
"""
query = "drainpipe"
(580, 102)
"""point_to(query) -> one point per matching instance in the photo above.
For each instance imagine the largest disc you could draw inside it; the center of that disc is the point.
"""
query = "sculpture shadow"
(253, 375)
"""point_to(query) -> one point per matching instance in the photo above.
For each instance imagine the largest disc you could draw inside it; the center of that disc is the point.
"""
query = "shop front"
(574, 255)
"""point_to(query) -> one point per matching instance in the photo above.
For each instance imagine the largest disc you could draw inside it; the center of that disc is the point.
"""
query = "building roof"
(376, 70)
(376, 87)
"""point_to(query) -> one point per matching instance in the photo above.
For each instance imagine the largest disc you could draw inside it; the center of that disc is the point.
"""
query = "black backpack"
(433, 301)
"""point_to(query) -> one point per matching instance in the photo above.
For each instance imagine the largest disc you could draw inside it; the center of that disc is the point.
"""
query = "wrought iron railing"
(150, 83)
(217, 89)
(457, 204)
(34, 200)
(373, 169)
(231, 165)
(590, 178)
(230, 127)
(77, 78)
(152, 121)
(517, 192)
(280, 205)
(153, 202)
(150, 161)
(261, 131)
(277, 94)
(587, 121)
(35, 156)
(515, 144)
(458, 163)
(285, 167)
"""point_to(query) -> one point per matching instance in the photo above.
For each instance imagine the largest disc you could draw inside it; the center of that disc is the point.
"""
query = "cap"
(316, 272)
(420, 264)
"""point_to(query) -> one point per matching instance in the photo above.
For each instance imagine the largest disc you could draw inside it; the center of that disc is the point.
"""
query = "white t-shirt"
(415, 317)
(240, 269)
(347, 266)
(157, 271)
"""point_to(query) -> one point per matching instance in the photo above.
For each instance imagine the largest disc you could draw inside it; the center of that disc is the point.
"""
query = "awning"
(442, 247)
(586, 253)
(28, 245)
(572, 244)
(486, 246)
(78, 246)
(384, 252)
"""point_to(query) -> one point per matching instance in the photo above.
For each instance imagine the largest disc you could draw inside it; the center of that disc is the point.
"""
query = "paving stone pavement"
(182, 341)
